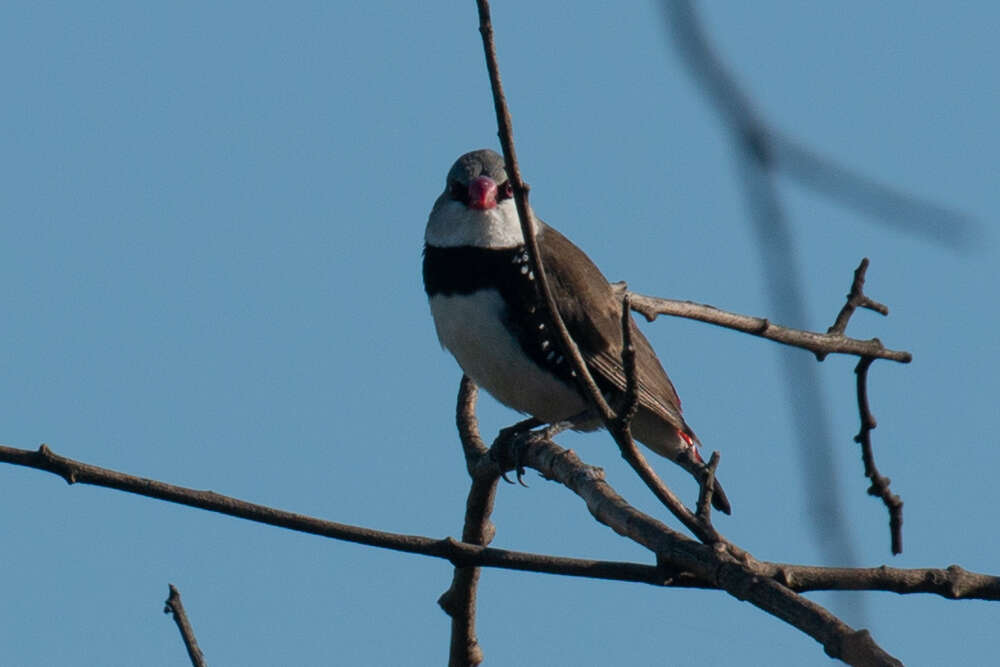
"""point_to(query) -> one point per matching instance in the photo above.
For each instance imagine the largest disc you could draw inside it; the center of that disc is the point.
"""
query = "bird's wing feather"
(592, 314)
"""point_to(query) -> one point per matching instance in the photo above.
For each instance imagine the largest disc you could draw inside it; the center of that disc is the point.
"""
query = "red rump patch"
(692, 447)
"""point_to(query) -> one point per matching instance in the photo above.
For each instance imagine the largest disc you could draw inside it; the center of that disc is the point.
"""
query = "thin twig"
(704, 506)
(856, 298)
(176, 608)
(585, 381)
(880, 485)
(521, 191)
(630, 404)
(77, 472)
(699, 524)
(818, 343)
(635, 458)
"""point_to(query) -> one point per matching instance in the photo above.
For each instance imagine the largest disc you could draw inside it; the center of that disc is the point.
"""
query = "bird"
(490, 315)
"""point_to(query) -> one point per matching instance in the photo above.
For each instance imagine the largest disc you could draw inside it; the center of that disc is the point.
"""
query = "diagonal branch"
(676, 553)
(174, 606)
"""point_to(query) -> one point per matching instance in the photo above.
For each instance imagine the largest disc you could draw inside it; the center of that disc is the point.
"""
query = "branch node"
(857, 298)
(57, 464)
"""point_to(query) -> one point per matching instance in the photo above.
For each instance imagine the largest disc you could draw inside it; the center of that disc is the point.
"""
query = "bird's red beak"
(483, 193)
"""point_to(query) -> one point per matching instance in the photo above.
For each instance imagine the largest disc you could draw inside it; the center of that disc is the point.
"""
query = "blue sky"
(210, 234)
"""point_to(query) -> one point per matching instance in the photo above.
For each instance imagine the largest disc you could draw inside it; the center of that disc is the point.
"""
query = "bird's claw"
(516, 435)
(520, 441)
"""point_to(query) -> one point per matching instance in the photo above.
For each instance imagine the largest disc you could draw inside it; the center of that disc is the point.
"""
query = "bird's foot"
(516, 435)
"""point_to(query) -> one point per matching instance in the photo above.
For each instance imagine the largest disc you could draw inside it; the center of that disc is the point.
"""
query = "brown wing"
(591, 310)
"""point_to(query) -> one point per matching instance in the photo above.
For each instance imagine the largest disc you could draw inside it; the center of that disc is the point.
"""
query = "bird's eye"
(458, 192)
(506, 191)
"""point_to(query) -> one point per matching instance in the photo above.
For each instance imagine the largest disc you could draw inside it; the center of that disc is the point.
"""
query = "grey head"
(483, 162)
(476, 207)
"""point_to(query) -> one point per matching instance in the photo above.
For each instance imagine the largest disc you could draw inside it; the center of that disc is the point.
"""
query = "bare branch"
(834, 341)
(631, 399)
(704, 506)
(856, 298)
(459, 601)
(677, 553)
(953, 583)
(635, 458)
(819, 343)
(880, 485)
(76, 472)
(477, 464)
(175, 607)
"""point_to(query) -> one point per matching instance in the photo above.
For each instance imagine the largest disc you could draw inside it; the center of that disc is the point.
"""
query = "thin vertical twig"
(459, 601)
(631, 399)
(521, 191)
(856, 298)
(880, 485)
(586, 382)
(704, 506)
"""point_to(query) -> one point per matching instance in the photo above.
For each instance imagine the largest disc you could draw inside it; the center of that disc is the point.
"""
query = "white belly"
(470, 327)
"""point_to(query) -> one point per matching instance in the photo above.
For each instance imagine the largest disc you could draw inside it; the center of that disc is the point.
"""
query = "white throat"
(452, 224)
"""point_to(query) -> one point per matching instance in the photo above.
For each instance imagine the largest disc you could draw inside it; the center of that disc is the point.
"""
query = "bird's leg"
(555, 428)
(524, 425)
